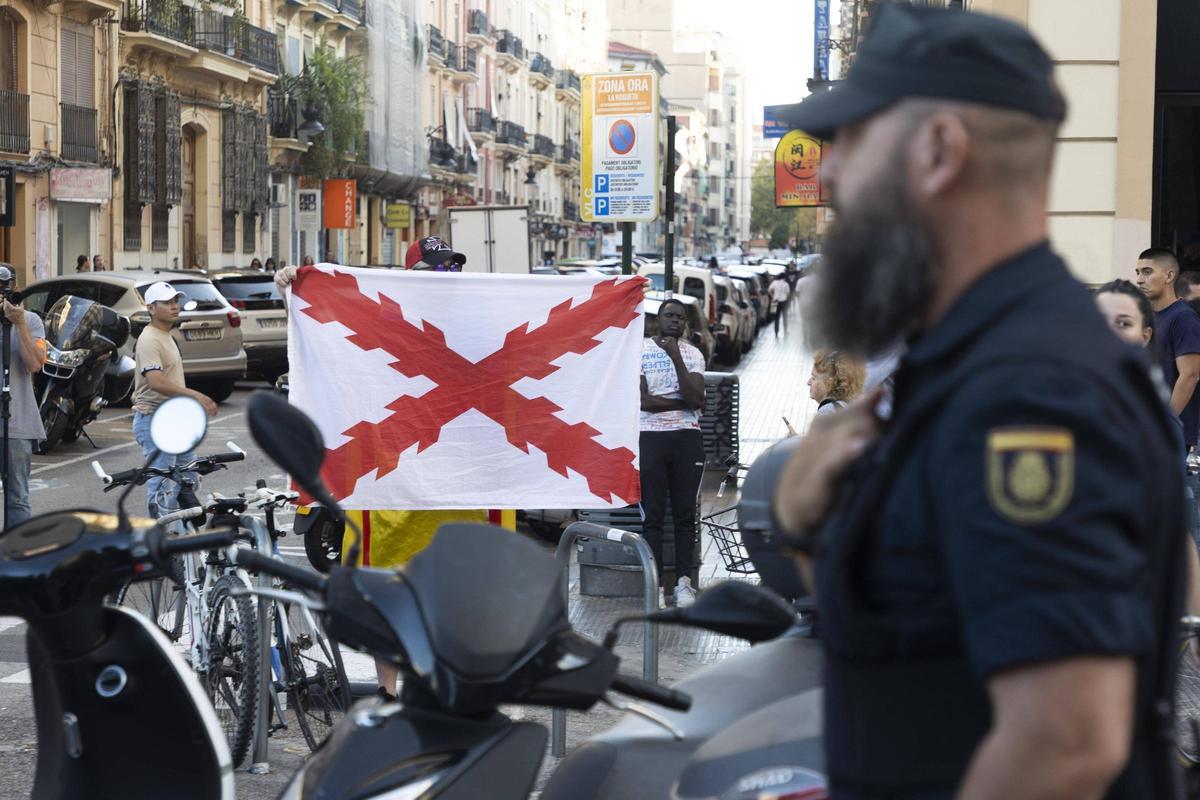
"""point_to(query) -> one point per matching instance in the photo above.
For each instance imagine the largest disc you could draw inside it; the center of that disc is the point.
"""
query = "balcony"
(541, 72)
(462, 63)
(541, 150)
(481, 124)
(566, 157)
(352, 9)
(218, 35)
(283, 114)
(79, 134)
(14, 122)
(437, 46)
(161, 26)
(447, 164)
(510, 53)
(479, 33)
(510, 139)
(567, 86)
(570, 211)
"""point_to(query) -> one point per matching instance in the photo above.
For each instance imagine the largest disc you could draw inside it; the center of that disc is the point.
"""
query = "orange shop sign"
(339, 203)
(798, 171)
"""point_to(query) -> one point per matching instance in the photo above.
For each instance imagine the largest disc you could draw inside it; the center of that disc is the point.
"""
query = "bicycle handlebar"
(297, 576)
(200, 541)
(181, 514)
(203, 465)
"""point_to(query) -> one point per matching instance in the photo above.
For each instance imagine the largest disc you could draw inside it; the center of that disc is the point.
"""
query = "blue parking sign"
(601, 207)
(601, 183)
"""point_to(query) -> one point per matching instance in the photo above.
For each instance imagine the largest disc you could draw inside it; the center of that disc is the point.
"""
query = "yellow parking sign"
(399, 215)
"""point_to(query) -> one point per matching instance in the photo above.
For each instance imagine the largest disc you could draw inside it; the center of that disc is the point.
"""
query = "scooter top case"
(776, 751)
(638, 759)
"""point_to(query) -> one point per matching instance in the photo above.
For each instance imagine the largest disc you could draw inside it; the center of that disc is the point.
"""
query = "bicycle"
(307, 666)
(197, 605)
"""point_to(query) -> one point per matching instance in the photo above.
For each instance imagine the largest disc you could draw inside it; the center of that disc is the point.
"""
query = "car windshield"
(247, 287)
(204, 293)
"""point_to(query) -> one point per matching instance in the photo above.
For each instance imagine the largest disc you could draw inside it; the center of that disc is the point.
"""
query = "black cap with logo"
(914, 51)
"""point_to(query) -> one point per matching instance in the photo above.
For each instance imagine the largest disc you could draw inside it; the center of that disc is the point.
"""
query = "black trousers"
(672, 465)
(781, 316)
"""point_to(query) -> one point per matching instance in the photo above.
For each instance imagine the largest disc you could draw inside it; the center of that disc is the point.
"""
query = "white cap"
(158, 292)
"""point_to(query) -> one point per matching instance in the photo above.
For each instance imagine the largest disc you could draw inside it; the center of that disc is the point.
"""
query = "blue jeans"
(1192, 496)
(16, 491)
(162, 494)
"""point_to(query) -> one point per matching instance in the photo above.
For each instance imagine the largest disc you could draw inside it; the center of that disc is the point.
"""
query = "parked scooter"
(461, 660)
(119, 714)
(83, 341)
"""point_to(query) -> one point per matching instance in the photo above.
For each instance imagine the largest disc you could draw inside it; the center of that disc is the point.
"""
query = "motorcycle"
(83, 341)
(106, 682)
(461, 660)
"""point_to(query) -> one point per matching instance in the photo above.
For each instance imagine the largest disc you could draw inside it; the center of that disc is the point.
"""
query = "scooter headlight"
(65, 358)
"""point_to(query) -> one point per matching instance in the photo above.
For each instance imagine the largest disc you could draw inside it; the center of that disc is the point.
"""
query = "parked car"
(699, 335)
(695, 282)
(264, 319)
(209, 333)
(735, 318)
(756, 286)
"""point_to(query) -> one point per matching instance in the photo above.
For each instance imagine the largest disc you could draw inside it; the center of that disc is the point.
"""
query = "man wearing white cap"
(159, 376)
(25, 424)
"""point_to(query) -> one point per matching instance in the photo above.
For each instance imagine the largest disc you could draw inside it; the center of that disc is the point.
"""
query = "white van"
(694, 282)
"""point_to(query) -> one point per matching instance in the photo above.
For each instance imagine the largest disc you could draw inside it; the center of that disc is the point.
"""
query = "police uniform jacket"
(1024, 505)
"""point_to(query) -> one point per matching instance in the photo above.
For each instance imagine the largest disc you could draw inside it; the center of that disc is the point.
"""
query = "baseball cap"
(430, 253)
(158, 292)
(6, 273)
(912, 51)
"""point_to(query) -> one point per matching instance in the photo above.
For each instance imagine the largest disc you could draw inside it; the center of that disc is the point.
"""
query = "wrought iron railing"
(211, 32)
(477, 23)
(236, 38)
(452, 54)
(571, 211)
(160, 17)
(541, 65)
(79, 133)
(542, 146)
(468, 60)
(441, 153)
(14, 122)
(352, 9)
(437, 43)
(567, 79)
(480, 120)
(510, 133)
(509, 43)
(283, 114)
(257, 46)
(568, 151)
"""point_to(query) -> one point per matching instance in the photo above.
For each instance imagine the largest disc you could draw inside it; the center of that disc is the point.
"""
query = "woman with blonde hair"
(835, 380)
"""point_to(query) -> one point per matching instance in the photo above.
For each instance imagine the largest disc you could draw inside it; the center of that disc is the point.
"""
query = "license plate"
(202, 334)
(272, 323)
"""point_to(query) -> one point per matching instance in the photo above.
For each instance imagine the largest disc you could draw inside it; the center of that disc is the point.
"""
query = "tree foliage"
(776, 224)
(337, 88)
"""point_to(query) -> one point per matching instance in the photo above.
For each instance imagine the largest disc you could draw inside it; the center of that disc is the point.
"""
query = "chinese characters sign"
(798, 171)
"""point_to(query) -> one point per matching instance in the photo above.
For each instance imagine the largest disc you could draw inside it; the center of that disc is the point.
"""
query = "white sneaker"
(685, 595)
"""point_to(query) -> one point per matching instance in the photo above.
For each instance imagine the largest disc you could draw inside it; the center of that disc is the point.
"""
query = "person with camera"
(27, 337)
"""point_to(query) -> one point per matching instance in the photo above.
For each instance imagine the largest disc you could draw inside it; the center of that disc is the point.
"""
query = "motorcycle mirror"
(292, 440)
(734, 608)
(178, 425)
(190, 305)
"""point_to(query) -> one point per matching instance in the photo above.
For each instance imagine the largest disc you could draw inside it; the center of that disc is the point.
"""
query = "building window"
(160, 228)
(133, 227)
(228, 231)
(249, 229)
(8, 52)
(76, 52)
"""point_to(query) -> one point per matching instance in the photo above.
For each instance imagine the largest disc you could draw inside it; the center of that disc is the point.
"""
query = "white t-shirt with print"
(779, 290)
(663, 381)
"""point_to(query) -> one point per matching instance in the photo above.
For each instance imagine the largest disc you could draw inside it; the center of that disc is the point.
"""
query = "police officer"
(997, 565)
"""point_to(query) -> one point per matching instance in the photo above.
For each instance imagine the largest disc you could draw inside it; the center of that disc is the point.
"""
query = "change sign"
(620, 147)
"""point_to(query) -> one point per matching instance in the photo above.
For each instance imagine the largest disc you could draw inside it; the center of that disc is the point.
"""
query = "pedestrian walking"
(98, 263)
(780, 291)
(671, 447)
(28, 346)
(82, 264)
(835, 380)
(158, 376)
(997, 564)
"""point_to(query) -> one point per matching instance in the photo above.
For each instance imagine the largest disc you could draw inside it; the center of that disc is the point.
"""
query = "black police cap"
(914, 51)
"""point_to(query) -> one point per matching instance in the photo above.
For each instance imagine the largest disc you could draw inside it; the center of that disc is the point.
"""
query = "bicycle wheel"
(161, 600)
(232, 677)
(1187, 698)
(318, 690)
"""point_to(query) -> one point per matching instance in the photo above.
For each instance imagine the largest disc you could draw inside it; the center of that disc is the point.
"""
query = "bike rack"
(590, 530)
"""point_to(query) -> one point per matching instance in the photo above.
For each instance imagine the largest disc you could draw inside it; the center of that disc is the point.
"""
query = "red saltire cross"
(485, 385)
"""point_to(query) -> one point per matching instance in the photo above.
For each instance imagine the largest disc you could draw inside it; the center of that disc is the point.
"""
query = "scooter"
(83, 341)
(461, 660)
(118, 712)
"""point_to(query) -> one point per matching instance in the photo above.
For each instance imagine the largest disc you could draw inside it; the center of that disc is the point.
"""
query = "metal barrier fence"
(589, 530)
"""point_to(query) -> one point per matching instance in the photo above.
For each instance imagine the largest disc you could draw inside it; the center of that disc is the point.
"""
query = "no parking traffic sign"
(620, 147)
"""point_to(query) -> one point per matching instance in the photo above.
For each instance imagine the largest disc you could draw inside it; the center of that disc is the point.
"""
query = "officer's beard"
(877, 273)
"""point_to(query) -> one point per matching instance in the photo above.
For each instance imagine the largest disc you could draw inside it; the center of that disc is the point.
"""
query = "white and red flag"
(463, 390)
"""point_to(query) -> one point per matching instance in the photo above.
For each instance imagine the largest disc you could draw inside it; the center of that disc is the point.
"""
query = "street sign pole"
(669, 182)
(626, 248)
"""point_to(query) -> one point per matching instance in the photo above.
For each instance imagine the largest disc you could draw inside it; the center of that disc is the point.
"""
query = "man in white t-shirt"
(780, 290)
(672, 450)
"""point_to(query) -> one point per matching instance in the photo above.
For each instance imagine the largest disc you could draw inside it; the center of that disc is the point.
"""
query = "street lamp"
(312, 121)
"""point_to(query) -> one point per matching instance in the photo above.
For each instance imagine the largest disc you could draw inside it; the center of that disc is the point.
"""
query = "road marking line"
(23, 676)
(113, 448)
(10, 622)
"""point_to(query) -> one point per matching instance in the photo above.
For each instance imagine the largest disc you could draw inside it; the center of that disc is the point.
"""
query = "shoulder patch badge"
(1030, 473)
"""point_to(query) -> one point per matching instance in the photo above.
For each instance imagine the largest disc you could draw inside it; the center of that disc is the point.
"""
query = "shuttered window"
(77, 51)
(8, 51)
